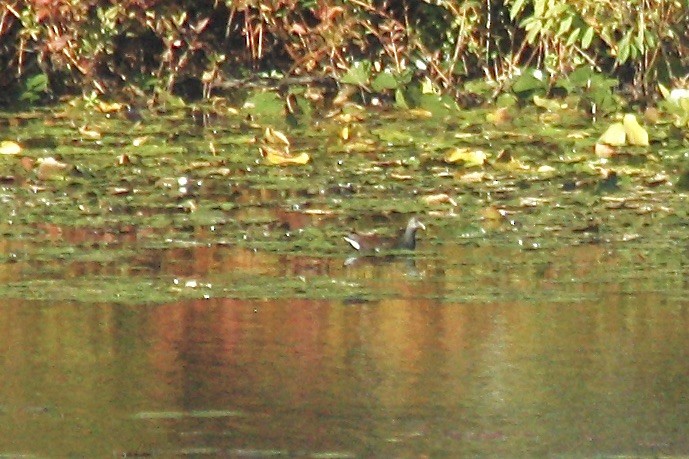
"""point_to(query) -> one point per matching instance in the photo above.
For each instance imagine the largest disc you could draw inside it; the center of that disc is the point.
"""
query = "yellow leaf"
(105, 107)
(468, 156)
(605, 151)
(493, 213)
(545, 169)
(344, 133)
(549, 117)
(397, 176)
(473, 177)
(439, 198)
(137, 142)
(420, 113)
(276, 157)
(7, 147)
(614, 136)
(549, 104)
(49, 168)
(275, 137)
(636, 134)
(499, 116)
(90, 133)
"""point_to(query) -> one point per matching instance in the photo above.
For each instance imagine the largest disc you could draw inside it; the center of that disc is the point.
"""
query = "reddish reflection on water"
(597, 370)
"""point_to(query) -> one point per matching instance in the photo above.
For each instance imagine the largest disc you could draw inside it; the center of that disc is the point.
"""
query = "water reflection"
(478, 351)
(395, 378)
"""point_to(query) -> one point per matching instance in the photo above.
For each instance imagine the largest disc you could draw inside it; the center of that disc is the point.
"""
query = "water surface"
(189, 301)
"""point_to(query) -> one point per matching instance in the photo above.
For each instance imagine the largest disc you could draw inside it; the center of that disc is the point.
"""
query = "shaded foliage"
(192, 46)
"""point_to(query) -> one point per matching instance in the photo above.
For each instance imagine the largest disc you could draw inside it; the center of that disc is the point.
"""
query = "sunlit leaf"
(398, 176)
(400, 99)
(605, 151)
(420, 113)
(50, 168)
(473, 177)
(275, 137)
(138, 141)
(468, 156)
(587, 38)
(8, 147)
(548, 104)
(123, 160)
(499, 116)
(493, 213)
(636, 134)
(344, 94)
(565, 25)
(428, 87)
(439, 198)
(615, 135)
(275, 157)
(573, 37)
(549, 117)
(624, 48)
(361, 145)
(516, 8)
(105, 107)
(90, 133)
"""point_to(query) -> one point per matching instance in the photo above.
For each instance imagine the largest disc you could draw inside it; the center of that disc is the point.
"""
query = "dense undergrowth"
(457, 47)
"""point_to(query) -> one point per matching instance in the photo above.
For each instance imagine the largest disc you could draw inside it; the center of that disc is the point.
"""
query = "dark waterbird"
(371, 242)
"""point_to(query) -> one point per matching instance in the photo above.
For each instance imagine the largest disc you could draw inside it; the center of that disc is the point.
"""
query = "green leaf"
(516, 8)
(37, 83)
(358, 74)
(581, 76)
(587, 38)
(400, 100)
(565, 26)
(549, 104)
(639, 40)
(614, 136)
(623, 49)
(266, 105)
(384, 80)
(636, 134)
(533, 33)
(527, 82)
(439, 106)
(34, 86)
(573, 37)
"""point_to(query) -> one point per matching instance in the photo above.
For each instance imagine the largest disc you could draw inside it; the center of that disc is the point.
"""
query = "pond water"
(168, 294)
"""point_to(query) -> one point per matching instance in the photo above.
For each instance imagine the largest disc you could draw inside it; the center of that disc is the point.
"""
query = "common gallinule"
(372, 242)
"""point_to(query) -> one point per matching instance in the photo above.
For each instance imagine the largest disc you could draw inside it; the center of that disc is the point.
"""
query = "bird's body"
(372, 242)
